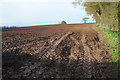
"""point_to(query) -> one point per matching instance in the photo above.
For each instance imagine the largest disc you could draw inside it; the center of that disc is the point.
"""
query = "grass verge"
(113, 43)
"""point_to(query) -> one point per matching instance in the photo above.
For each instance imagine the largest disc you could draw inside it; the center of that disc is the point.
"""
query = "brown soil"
(56, 51)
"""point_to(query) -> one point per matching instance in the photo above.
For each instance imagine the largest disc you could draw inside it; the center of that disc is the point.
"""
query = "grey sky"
(40, 12)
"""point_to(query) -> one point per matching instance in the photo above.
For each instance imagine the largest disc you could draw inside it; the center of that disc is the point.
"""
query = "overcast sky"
(39, 12)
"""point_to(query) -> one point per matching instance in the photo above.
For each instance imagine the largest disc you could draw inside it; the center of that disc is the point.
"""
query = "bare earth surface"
(56, 51)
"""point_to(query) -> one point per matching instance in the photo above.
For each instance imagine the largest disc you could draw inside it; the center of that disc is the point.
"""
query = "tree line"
(106, 14)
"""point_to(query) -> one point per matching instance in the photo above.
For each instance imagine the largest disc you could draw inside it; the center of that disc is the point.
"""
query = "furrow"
(21, 46)
(87, 59)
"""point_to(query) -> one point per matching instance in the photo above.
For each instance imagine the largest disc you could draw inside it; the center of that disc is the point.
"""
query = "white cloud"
(6, 21)
(37, 0)
(56, 1)
(0, 13)
(17, 12)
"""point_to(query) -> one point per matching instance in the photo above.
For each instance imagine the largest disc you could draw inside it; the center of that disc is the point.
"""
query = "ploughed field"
(56, 51)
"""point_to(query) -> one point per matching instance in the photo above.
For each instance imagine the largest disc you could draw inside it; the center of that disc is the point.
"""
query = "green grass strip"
(112, 40)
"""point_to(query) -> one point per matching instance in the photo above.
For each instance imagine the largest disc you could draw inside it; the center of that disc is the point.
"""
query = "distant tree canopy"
(63, 22)
(8, 26)
(106, 14)
(85, 19)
